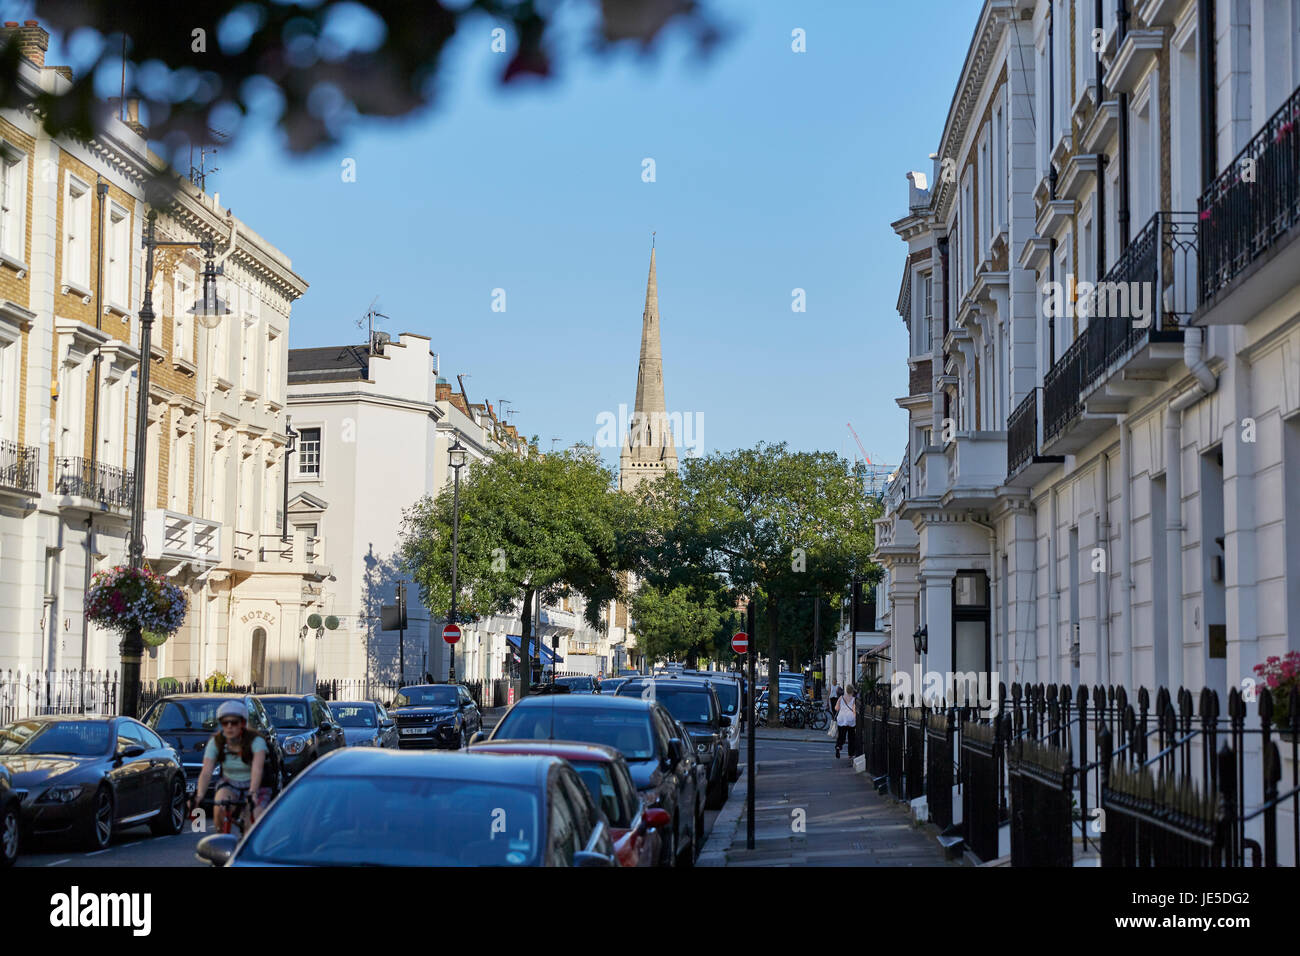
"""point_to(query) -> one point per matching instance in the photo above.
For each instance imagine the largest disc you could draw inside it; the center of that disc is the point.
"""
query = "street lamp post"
(209, 312)
(290, 444)
(456, 456)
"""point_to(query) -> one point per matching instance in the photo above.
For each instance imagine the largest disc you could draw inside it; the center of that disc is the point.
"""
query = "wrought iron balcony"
(1156, 274)
(20, 467)
(80, 477)
(1253, 203)
(1022, 432)
(1061, 387)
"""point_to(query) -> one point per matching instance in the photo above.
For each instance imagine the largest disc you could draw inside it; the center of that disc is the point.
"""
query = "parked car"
(85, 776)
(658, 756)
(634, 827)
(370, 807)
(188, 721)
(730, 696)
(695, 703)
(579, 685)
(365, 723)
(610, 684)
(11, 817)
(441, 716)
(305, 728)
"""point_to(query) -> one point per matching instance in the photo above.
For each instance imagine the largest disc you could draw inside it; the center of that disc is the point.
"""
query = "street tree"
(776, 525)
(548, 525)
(677, 624)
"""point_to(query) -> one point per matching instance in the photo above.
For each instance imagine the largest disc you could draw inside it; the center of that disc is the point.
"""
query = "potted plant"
(1281, 674)
(123, 598)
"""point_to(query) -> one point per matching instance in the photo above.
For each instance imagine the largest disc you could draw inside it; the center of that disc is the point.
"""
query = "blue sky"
(775, 170)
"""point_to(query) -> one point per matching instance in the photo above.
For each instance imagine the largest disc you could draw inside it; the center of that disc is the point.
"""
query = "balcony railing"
(1061, 386)
(80, 477)
(1253, 202)
(20, 466)
(1157, 275)
(1022, 432)
(242, 546)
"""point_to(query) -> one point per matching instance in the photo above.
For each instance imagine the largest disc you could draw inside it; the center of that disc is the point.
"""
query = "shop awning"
(548, 655)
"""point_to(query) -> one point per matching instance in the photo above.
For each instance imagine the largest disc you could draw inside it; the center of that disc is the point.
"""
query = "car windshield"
(690, 705)
(612, 684)
(599, 778)
(71, 738)
(176, 715)
(355, 715)
(728, 695)
(442, 695)
(287, 714)
(627, 731)
(575, 683)
(328, 820)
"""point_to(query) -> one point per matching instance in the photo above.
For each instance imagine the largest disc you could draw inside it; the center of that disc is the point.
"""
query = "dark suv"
(661, 766)
(695, 703)
(188, 721)
(441, 716)
(305, 727)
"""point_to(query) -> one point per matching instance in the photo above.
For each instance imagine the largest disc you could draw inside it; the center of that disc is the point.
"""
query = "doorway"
(257, 662)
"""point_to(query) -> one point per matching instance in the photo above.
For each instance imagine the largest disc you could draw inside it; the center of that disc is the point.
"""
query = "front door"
(971, 660)
(257, 659)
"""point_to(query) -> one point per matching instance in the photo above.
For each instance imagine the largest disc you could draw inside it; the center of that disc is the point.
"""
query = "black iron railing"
(1061, 386)
(110, 486)
(1253, 202)
(20, 466)
(1022, 432)
(1147, 296)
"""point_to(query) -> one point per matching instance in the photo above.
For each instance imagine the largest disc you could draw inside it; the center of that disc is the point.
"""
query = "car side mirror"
(477, 737)
(216, 849)
(724, 721)
(675, 750)
(386, 722)
(656, 818)
(130, 753)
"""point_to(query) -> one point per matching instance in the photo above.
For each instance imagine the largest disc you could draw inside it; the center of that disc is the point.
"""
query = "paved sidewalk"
(813, 810)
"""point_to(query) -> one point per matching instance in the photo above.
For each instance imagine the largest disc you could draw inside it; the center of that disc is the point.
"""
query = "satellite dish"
(313, 621)
(331, 623)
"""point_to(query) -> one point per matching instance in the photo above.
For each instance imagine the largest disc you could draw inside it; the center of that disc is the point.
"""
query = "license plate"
(416, 730)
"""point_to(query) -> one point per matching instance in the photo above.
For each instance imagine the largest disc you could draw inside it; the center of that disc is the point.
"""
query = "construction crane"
(874, 477)
(859, 441)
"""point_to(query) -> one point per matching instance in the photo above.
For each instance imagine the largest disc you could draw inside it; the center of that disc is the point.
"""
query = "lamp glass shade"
(209, 309)
(457, 455)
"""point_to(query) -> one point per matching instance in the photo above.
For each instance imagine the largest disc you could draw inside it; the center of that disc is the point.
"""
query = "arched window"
(257, 665)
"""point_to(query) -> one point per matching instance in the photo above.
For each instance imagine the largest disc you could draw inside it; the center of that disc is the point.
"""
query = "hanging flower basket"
(154, 638)
(123, 598)
(1281, 674)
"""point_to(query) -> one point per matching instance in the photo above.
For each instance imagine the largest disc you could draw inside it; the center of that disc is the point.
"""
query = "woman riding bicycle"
(242, 755)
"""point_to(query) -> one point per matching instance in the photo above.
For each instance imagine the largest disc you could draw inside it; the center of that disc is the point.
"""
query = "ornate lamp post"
(208, 311)
(290, 443)
(457, 455)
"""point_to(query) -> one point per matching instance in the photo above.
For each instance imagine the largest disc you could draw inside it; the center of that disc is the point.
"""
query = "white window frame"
(271, 388)
(117, 266)
(76, 234)
(299, 473)
(985, 217)
(11, 344)
(1000, 164)
(183, 286)
(13, 204)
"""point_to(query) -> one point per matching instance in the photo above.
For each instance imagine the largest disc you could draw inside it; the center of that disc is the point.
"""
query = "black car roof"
(517, 769)
(580, 701)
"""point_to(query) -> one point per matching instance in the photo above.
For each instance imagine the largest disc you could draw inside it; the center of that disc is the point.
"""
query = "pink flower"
(1272, 681)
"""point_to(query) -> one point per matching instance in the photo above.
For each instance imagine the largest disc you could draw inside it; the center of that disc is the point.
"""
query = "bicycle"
(235, 816)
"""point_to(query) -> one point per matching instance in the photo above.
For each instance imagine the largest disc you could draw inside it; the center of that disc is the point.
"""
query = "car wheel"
(172, 816)
(98, 828)
(10, 835)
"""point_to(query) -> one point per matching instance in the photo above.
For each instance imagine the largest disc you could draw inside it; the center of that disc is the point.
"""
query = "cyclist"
(241, 752)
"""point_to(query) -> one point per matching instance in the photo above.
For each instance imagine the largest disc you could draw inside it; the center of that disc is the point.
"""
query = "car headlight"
(64, 794)
(703, 748)
(296, 745)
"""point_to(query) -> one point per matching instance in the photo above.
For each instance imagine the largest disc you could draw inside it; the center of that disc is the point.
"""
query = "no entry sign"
(740, 643)
(451, 633)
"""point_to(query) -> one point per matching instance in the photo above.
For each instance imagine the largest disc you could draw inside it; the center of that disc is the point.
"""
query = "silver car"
(365, 723)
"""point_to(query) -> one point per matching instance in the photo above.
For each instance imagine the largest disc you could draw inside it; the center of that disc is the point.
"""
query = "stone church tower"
(648, 449)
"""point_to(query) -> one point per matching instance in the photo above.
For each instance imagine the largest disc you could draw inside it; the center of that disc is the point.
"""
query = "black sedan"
(695, 703)
(438, 716)
(305, 728)
(189, 721)
(370, 807)
(11, 815)
(365, 723)
(662, 766)
(88, 775)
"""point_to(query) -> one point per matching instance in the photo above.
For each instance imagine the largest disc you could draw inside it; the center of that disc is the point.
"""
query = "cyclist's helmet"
(233, 708)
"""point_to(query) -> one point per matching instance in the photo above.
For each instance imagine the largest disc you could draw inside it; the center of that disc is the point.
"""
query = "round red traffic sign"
(451, 633)
(740, 643)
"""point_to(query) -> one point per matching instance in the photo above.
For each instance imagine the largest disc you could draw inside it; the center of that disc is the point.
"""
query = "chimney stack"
(442, 392)
(31, 39)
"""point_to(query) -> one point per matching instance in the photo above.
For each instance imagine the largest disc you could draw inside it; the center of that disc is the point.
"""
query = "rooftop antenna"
(199, 174)
(367, 322)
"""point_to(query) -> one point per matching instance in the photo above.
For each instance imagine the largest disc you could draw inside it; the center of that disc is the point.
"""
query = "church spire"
(648, 449)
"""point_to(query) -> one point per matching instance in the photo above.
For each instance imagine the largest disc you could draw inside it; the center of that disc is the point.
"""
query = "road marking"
(97, 852)
(57, 862)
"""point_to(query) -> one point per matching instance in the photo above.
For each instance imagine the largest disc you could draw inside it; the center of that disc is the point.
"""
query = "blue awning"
(548, 655)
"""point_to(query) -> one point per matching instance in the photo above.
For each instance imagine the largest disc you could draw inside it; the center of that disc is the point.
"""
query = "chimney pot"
(11, 23)
(30, 23)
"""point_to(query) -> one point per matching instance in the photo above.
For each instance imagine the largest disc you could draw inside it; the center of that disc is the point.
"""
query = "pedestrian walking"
(846, 718)
(836, 693)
